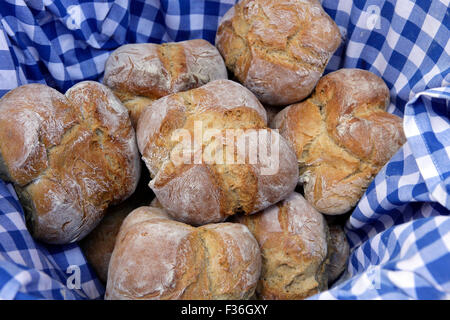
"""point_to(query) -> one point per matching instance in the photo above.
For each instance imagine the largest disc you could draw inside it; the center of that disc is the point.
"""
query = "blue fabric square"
(397, 60)
(411, 31)
(435, 51)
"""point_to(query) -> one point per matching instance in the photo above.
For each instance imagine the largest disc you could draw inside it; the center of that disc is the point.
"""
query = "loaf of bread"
(69, 157)
(338, 252)
(293, 240)
(98, 245)
(141, 73)
(342, 136)
(277, 49)
(200, 190)
(158, 258)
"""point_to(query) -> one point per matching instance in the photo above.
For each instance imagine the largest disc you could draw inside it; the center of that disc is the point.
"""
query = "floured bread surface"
(277, 49)
(342, 136)
(68, 156)
(293, 240)
(209, 185)
(160, 259)
(141, 73)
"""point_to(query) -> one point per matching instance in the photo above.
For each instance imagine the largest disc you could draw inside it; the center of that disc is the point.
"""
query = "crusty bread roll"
(342, 136)
(158, 258)
(338, 252)
(141, 73)
(98, 245)
(277, 49)
(293, 240)
(69, 157)
(203, 191)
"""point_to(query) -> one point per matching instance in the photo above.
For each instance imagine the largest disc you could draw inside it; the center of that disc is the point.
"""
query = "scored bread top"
(293, 239)
(205, 192)
(342, 136)
(33, 119)
(141, 73)
(277, 49)
(69, 156)
(220, 104)
(158, 258)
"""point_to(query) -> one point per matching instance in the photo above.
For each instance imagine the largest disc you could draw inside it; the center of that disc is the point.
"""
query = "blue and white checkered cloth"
(400, 231)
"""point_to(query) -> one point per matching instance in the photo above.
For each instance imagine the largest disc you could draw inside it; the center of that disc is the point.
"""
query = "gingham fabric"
(400, 231)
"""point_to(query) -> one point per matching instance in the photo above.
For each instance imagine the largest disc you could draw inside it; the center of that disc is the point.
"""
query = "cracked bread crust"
(200, 193)
(342, 136)
(69, 157)
(141, 73)
(277, 49)
(292, 236)
(158, 258)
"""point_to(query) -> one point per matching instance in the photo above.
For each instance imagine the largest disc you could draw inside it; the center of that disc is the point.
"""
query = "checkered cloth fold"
(400, 231)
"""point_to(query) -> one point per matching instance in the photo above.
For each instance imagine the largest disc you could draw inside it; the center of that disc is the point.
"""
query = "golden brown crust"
(202, 192)
(277, 49)
(158, 258)
(31, 114)
(342, 136)
(76, 155)
(293, 240)
(142, 73)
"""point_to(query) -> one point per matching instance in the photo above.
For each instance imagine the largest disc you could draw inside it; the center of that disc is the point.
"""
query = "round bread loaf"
(338, 252)
(293, 240)
(158, 258)
(69, 157)
(141, 73)
(342, 136)
(277, 49)
(242, 176)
